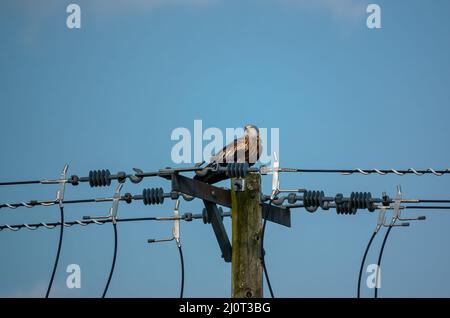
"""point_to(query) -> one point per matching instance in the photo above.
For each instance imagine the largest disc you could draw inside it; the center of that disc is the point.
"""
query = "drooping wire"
(58, 252)
(382, 172)
(380, 257)
(263, 262)
(103, 177)
(363, 261)
(149, 196)
(113, 261)
(182, 270)
(429, 207)
(20, 182)
(188, 217)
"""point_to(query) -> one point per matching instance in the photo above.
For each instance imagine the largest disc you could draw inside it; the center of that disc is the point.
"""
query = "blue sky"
(109, 95)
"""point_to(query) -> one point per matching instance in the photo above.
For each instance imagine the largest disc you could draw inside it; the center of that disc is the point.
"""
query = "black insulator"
(153, 196)
(357, 200)
(121, 177)
(188, 217)
(311, 209)
(345, 208)
(292, 198)
(128, 197)
(361, 200)
(99, 178)
(338, 199)
(237, 170)
(74, 180)
(313, 199)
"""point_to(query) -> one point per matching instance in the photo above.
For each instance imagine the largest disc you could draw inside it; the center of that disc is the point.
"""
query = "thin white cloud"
(113, 6)
(348, 10)
(37, 12)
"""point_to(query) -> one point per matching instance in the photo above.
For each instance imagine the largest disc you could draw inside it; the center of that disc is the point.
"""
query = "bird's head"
(251, 131)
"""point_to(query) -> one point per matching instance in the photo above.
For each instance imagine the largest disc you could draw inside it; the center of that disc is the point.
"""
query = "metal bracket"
(397, 208)
(381, 219)
(112, 215)
(275, 177)
(278, 215)
(215, 218)
(201, 190)
(220, 196)
(62, 186)
(238, 184)
(175, 229)
(213, 196)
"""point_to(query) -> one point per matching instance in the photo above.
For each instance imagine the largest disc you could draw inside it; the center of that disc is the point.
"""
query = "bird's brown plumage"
(245, 149)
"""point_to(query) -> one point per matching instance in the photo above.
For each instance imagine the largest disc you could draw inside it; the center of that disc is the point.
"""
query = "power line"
(398, 172)
(429, 207)
(58, 252)
(310, 200)
(185, 217)
(363, 261)
(149, 196)
(379, 259)
(113, 260)
(103, 177)
(180, 250)
(263, 253)
(19, 182)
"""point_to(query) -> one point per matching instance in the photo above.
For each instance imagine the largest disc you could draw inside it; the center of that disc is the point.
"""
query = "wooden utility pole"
(247, 273)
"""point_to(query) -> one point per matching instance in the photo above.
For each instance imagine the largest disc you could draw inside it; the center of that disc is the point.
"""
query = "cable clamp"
(175, 229)
(112, 215)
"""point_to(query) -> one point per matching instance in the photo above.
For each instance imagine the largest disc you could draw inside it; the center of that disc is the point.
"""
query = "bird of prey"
(245, 149)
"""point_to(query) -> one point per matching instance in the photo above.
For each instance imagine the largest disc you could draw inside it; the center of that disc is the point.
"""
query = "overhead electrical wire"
(58, 252)
(20, 182)
(180, 250)
(186, 217)
(149, 196)
(398, 172)
(103, 177)
(263, 252)
(113, 264)
(363, 261)
(380, 256)
(311, 201)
